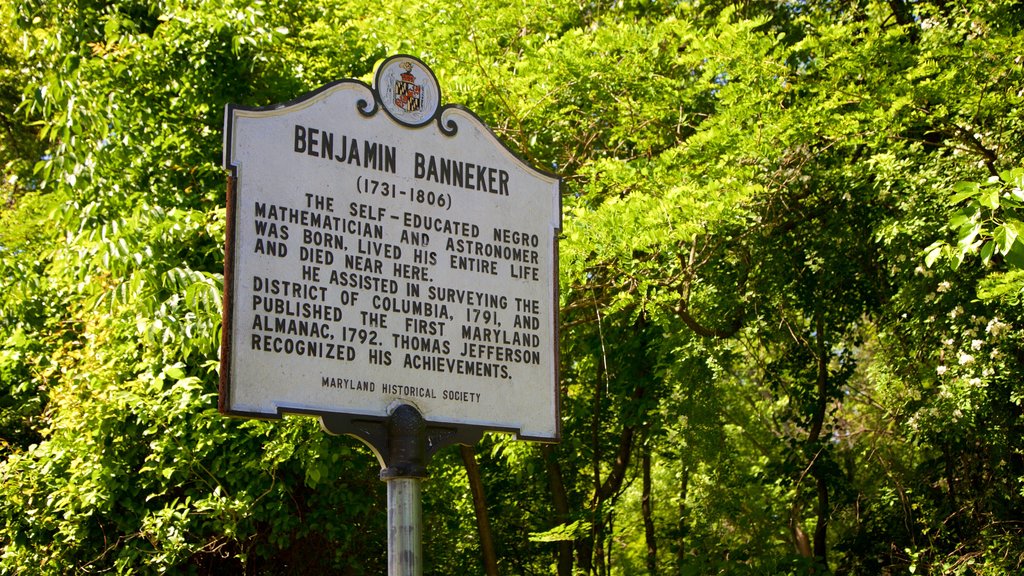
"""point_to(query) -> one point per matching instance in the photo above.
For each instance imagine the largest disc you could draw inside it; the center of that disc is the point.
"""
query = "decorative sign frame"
(377, 259)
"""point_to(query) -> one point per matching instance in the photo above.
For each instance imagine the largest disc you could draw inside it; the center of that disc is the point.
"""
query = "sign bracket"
(386, 437)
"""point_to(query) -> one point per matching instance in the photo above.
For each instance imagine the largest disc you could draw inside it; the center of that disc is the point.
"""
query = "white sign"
(383, 248)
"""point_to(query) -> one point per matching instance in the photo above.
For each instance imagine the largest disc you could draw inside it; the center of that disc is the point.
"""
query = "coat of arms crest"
(408, 94)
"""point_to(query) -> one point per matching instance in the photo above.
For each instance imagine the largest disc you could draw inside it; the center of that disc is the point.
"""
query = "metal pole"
(405, 527)
(406, 468)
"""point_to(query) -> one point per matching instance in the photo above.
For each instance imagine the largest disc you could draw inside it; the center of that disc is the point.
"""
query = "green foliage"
(987, 224)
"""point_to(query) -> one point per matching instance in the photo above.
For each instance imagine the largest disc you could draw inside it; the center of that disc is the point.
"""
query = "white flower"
(996, 327)
(965, 358)
(976, 344)
(941, 370)
(944, 286)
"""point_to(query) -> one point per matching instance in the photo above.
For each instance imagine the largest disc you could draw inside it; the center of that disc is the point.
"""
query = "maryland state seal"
(408, 90)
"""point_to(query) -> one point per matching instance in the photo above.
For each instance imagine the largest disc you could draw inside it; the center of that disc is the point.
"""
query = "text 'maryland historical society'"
(383, 248)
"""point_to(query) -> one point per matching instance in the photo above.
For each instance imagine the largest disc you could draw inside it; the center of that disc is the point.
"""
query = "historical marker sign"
(381, 249)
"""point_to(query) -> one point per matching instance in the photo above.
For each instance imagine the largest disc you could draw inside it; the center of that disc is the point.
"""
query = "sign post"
(390, 267)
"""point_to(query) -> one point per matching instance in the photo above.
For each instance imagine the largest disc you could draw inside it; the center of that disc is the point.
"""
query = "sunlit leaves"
(986, 222)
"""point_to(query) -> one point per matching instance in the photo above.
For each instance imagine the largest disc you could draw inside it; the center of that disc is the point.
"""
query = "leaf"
(986, 251)
(1013, 227)
(1014, 177)
(1005, 235)
(962, 218)
(1015, 256)
(963, 191)
(313, 475)
(967, 242)
(990, 197)
(933, 252)
(174, 372)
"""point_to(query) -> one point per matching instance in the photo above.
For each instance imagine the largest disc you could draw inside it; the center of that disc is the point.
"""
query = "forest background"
(791, 278)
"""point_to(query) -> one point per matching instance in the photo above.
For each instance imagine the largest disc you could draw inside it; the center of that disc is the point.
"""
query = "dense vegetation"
(791, 280)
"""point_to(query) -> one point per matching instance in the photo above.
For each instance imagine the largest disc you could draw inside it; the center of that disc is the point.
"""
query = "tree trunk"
(609, 487)
(561, 503)
(821, 530)
(814, 438)
(599, 535)
(588, 560)
(800, 540)
(483, 524)
(681, 526)
(647, 509)
(585, 551)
